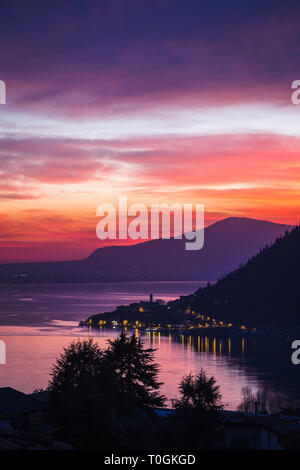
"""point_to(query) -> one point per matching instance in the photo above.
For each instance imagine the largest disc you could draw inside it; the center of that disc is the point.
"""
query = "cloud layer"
(165, 101)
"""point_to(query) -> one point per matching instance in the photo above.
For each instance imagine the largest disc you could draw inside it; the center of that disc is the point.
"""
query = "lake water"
(37, 321)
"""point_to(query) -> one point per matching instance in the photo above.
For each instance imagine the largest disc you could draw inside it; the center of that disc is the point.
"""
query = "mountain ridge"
(227, 243)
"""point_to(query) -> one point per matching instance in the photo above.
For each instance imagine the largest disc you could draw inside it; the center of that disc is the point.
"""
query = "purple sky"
(164, 101)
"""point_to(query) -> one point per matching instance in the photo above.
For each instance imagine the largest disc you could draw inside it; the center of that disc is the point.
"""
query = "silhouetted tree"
(94, 394)
(83, 391)
(199, 393)
(136, 371)
(197, 412)
(264, 401)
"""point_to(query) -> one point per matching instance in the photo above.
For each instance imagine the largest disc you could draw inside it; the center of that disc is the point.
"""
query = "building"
(261, 432)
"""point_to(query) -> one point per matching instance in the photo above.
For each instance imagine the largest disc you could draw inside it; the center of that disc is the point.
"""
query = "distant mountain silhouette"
(227, 243)
(264, 290)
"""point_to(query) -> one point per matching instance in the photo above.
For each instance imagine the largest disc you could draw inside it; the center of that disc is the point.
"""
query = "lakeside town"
(175, 316)
(260, 298)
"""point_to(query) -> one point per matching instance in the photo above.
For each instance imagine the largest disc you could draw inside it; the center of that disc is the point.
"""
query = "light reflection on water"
(39, 320)
(32, 351)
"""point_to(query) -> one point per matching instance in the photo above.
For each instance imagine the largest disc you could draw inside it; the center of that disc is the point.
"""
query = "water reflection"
(260, 363)
(197, 343)
(235, 362)
(39, 326)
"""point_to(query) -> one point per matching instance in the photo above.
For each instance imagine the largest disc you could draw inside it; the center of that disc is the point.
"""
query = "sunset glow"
(197, 120)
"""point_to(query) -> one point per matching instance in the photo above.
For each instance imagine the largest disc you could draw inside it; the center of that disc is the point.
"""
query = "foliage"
(82, 392)
(264, 401)
(199, 393)
(136, 371)
(197, 412)
(93, 392)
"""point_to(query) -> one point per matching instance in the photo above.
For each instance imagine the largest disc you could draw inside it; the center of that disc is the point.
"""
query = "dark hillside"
(265, 290)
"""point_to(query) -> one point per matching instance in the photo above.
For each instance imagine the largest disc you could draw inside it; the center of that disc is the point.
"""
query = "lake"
(37, 321)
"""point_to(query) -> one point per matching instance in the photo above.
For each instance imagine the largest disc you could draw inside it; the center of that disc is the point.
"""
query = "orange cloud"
(51, 188)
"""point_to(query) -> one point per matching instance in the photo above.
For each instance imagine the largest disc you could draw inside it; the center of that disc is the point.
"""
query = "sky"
(163, 101)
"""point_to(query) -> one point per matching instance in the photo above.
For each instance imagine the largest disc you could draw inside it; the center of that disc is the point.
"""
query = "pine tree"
(136, 371)
(199, 393)
(83, 391)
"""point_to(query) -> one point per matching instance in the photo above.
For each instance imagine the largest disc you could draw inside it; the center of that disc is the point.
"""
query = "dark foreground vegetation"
(110, 399)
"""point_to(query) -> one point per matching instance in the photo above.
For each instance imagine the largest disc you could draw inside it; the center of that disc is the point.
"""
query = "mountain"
(227, 244)
(264, 290)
